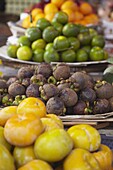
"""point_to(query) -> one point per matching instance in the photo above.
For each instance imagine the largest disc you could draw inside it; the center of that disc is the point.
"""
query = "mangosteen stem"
(52, 80)
(43, 96)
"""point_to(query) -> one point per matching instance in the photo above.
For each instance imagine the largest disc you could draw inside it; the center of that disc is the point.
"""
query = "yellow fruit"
(35, 12)
(80, 159)
(70, 13)
(26, 22)
(50, 8)
(56, 118)
(58, 3)
(85, 137)
(69, 5)
(6, 113)
(38, 16)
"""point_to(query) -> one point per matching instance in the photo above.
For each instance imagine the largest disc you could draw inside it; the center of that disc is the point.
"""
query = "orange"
(38, 16)
(69, 5)
(35, 12)
(49, 16)
(70, 14)
(32, 105)
(85, 8)
(58, 3)
(26, 22)
(78, 16)
(36, 164)
(22, 130)
(50, 8)
(6, 113)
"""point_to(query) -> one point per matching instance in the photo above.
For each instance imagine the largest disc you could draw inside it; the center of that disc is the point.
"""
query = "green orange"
(42, 23)
(68, 56)
(33, 33)
(12, 51)
(38, 55)
(61, 43)
(24, 53)
(70, 30)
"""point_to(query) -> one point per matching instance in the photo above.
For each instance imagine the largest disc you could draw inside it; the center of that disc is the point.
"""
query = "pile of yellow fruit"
(31, 139)
(80, 14)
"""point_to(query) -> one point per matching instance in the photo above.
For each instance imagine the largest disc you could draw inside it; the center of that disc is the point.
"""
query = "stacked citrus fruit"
(81, 13)
(31, 139)
(59, 40)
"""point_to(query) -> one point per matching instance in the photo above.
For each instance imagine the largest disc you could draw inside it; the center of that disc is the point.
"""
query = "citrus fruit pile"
(81, 12)
(59, 41)
(31, 139)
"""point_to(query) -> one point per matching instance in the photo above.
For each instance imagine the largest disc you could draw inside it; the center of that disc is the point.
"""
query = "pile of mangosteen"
(63, 92)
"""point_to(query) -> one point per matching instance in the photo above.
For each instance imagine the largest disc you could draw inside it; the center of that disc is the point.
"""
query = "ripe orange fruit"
(35, 12)
(78, 16)
(38, 16)
(85, 8)
(69, 5)
(32, 105)
(50, 16)
(36, 164)
(58, 3)
(50, 8)
(22, 130)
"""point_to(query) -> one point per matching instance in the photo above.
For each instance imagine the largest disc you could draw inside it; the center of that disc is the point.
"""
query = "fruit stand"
(56, 94)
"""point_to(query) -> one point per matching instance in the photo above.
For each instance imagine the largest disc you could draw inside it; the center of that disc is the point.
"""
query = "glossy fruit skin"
(68, 56)
(40, 43)
(53, 146)
(42, 23)
(22, 130)
(38, 55)
(98, 40)
(61, 43)
(23, 155)
(104, 156)
(6, 113)
(51, 56)
(61, 17)
(81, 55)
(23, 40)
(33, 33)
(32, 105)
(74, 43)
(85, 137)
(36, 165)
(24, 53)
(97, 54)
(70, 30)
(80, 159)
(6, 159)
(12, 51)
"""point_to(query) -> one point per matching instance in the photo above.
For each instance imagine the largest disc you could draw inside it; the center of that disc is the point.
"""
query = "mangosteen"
(79, 78)
(55, 105)
(101, 106)
(26, 82)
(69, 97)
(61, 71)
(16, 89)
(25, 72)
(104, 90)
(7, 100)
(18, 99)
(111, 103)
(69, 111)
(38, 79)
(81, 108)
(32, 90)
(3, 86)
(11, 80)
(48, 90)
(62, 86)
(90, 80)
(45, 69)
(88, 94)
(52, 80)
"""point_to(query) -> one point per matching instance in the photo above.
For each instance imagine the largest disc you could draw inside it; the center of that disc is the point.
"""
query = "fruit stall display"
(31, 139)
(59, 41)
(78, 12)
(63, 92)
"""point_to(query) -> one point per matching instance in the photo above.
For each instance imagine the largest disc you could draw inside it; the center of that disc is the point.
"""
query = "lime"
(68, 56)
(24, 40)
(49, 34)
(24, 53)
(105, 55)
(81, 55)
(33, 33)
(97, 54)
(98, 40)
(84, 38)
(83, 29)
(51, 56)
(92, 32)
(58, 26)
(70, 30)
(40, 43)
(61, 17)
(87, 48)
(38, 55)
(74, 43)
(61, 43)
(49, 46)
(12, 51)
(42, 23)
